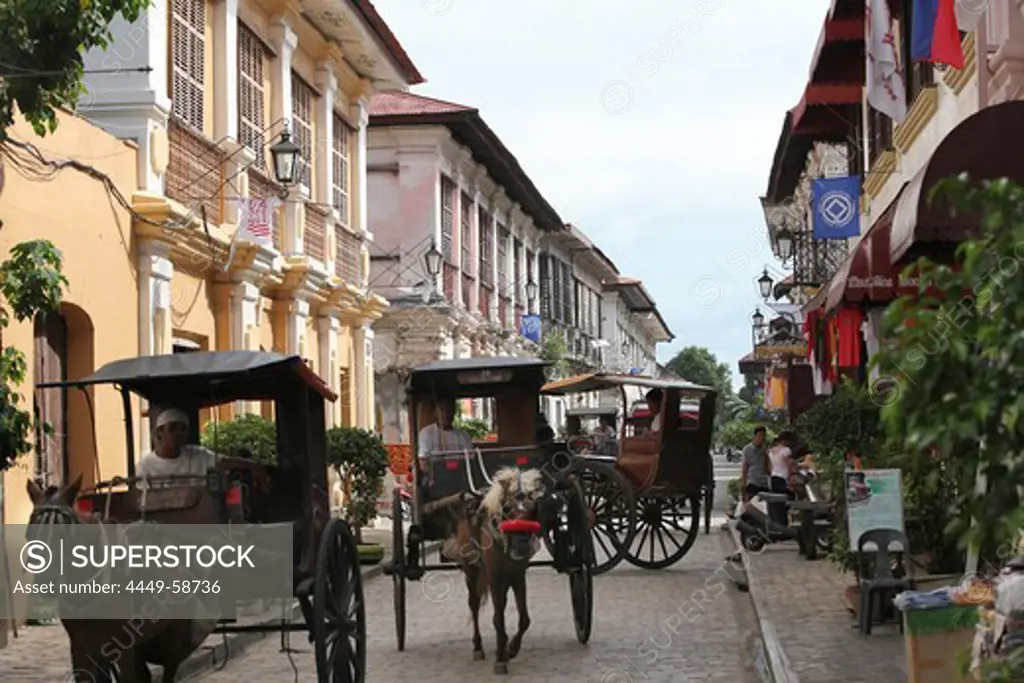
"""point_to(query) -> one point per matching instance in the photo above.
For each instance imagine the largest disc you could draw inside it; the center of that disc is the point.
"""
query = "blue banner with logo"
(529, 327)
(835, 203)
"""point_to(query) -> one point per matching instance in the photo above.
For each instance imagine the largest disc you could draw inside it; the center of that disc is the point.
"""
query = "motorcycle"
(733, 456)
(757, 530)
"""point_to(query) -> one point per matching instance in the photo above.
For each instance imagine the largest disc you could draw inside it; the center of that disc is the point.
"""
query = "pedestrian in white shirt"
(780, 457)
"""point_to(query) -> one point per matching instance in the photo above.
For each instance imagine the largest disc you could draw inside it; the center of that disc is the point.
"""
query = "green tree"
(253, 433)
(953, 366)
(30, 283)
(554, 349)
(697, 364)
(359, 457)
(748, 392)
(42, 43)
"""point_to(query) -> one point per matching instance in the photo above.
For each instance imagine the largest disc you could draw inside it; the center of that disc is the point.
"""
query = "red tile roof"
(409, 104)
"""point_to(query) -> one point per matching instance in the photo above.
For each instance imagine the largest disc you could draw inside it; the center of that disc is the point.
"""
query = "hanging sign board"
(767, 352)
(874, 500)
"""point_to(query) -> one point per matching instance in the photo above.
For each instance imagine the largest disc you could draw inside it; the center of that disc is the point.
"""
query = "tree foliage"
(359, 457)
(253, 433)
(953, 367)
(554, 349)
(42, 43)
(31, 282)
(699, 365)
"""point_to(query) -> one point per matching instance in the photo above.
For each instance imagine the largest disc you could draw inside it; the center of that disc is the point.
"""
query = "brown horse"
(497, 560)
(104, 648)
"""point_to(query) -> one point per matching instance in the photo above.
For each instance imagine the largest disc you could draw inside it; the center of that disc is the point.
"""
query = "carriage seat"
(638, 459)
(177, 505)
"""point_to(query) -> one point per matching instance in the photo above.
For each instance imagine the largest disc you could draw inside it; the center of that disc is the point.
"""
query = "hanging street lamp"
(764, 283)
(285, 156)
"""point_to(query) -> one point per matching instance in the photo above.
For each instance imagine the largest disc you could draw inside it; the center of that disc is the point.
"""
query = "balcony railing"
(195, 171)
(451, 280)
(349, 256)
(467, 288)
(315, 233)
(262, 187)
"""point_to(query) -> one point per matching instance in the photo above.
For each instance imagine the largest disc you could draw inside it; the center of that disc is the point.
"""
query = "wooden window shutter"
(188, 48)
(251, 54)
(302, 124)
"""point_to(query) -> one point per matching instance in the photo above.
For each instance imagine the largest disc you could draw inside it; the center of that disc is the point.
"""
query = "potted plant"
(359, 457)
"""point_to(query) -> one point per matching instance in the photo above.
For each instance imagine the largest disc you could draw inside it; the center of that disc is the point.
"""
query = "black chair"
(884, 580)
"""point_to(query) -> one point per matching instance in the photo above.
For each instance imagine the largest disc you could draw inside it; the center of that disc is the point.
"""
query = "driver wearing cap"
(171, 456)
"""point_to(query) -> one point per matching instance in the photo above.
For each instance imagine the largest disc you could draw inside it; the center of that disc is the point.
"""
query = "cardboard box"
(937, 642)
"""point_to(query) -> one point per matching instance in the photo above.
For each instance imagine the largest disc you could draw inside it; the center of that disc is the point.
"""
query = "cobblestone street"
(680, 624)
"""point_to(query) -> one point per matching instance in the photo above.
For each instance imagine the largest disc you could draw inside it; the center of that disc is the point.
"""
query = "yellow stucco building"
(208, 86)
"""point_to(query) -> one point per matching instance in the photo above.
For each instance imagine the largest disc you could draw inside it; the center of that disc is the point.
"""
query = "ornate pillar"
(285, 41)
(225, 69)
(362, 115)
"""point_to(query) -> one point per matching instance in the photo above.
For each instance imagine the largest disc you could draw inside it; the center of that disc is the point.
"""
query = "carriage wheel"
(398, 571)
(612, 512)
(339, 613)
(667, 527)
(581, 563)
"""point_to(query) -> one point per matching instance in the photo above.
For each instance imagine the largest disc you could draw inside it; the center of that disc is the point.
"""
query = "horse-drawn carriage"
(326, 578)
(668, 469)
(452, 483)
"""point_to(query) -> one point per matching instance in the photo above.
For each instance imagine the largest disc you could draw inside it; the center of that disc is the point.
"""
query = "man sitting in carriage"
(173, 461)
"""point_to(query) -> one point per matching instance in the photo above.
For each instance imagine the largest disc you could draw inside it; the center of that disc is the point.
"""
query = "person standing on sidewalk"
(782, 470)
(754, 472)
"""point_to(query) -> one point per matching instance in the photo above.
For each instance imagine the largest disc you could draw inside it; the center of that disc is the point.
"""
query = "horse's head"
(54, 505)
(515, 495)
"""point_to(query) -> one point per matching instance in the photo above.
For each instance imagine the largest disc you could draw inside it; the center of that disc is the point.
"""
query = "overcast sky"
(650, 125)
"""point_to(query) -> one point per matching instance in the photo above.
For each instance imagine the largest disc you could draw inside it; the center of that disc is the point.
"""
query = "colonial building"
(441, 179)
(204, 89)
(957, 120)
(91, 328)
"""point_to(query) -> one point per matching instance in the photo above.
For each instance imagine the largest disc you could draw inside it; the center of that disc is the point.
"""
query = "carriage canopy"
(599, 381)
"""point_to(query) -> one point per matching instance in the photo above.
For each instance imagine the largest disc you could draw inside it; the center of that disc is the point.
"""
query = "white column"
(474, 250)
(132, 104)
(457, 236)
(324, 115)
(492, 314)
(297, 311)
(244, 317)
(533, 273)
(328, 326)
(225, 69)
(154, 282)
(285, 41)
(362, 112)
(363, 374)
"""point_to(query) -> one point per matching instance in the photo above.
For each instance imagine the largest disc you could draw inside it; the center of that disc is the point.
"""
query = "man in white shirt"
(171, 456)
(442, 436)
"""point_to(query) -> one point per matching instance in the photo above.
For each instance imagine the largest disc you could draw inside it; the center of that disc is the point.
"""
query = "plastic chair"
(883, 579)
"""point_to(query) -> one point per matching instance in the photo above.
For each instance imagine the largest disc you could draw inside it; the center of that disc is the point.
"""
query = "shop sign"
(768, 352)
(874, 500)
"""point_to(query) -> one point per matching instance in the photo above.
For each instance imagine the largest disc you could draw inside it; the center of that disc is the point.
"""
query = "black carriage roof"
(206, 377)
(585, 412)
(466, 376)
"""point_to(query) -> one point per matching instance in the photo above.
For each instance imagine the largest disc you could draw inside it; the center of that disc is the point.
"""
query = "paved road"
(724, 471)
(686, 623)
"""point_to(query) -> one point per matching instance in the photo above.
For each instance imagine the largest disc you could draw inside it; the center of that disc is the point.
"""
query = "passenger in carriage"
(440, 436)
(172, 460)
(654, 398)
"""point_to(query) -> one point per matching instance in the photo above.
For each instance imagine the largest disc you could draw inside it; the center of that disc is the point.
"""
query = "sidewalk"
(808, 632)
(41, 653)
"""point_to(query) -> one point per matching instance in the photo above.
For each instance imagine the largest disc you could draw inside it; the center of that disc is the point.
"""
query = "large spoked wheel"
(581, 563)
(612, 511)
(339, 613)
(667, 527)
(398, 572)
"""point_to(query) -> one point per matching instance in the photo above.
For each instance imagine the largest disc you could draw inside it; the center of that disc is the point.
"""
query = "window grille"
(302, 126)
(251, 54)
(188, 58)
(340, 161)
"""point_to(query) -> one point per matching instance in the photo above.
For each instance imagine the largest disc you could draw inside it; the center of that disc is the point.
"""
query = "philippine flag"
(936, 38)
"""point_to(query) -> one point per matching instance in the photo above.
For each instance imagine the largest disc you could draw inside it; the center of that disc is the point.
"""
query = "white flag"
(886, 90)
(969, 12)
(256, 224)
